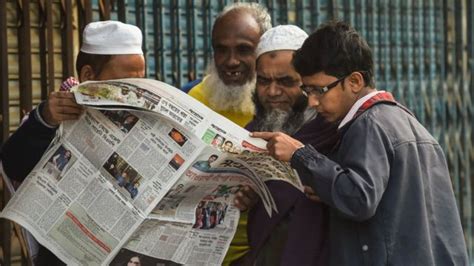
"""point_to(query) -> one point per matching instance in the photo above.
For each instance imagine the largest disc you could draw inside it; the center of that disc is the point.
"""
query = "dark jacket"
(19, 155)
(390, 193)
(22, 151)
(306, 222)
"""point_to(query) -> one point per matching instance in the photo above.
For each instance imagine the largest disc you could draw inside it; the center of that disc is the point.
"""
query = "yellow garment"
(240, 244)
(240, 118)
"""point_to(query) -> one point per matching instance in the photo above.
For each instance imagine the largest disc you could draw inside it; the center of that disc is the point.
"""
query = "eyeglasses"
(286, 82)
(319, 91)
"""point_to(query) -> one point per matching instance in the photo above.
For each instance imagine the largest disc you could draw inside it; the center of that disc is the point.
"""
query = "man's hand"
(279, 145)
(310, 194)
(245, 199)
(61, 106)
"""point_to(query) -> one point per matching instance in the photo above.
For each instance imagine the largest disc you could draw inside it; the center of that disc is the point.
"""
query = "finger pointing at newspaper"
(280, 145)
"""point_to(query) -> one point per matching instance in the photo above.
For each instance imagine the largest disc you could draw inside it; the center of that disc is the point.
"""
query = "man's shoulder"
(381, 115)
(393, 121)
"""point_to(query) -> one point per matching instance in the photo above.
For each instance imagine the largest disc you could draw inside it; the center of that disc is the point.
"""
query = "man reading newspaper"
(97, 60)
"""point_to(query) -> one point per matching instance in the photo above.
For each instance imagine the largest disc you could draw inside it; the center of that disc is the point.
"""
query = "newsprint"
(146, 172)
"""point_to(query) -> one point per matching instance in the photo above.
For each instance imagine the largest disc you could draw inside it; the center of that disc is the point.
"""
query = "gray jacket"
(390, 194)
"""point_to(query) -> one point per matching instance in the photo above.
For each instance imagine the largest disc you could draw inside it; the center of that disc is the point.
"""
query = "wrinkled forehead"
(276, 63)
(285, 56)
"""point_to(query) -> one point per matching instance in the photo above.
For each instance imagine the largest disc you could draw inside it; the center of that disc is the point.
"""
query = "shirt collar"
(356, 107)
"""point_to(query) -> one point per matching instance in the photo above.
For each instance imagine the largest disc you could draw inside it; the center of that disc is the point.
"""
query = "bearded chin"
(288, 122)
(222, 97)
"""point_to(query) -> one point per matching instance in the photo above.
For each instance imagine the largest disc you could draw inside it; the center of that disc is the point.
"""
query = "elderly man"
(110, 50)
(227, 87)
(279, 102)
(297, 234)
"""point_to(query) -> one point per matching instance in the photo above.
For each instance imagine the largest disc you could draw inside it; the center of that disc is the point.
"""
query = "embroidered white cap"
(111, 38)
(282, 37)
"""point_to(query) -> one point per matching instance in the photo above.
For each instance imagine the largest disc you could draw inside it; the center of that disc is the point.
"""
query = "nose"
(313, 101)
(232, 59)
(274, 89)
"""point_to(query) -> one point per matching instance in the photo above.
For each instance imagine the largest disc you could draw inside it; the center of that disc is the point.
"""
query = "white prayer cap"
(111, 38)
(282, 37)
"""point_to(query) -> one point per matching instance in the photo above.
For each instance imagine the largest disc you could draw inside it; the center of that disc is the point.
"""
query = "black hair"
(140, 258)
(336, 49)
(96, 61)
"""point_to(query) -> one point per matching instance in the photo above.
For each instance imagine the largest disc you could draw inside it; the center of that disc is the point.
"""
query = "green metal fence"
(424, 52)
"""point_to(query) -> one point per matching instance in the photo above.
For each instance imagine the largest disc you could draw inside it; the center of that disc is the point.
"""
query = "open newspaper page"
(268, 168)
(96, 185)
(105, 173)
(201, 202)
(196, 218)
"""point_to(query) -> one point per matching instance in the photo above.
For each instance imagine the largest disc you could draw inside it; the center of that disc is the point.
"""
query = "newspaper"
(146, 170)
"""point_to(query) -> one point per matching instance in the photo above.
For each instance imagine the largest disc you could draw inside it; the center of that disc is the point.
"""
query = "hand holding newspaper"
(146, 170)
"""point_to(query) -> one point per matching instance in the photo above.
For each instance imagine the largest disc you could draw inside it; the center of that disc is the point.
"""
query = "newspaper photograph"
(183, 244)
(128, 257)
(145, 159)
(205, 181)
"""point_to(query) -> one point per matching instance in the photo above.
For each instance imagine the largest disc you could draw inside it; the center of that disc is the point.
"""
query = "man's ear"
(87, 73)
(356, 82)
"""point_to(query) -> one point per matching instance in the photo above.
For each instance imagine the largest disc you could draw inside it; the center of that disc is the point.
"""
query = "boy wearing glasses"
(387, 182)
